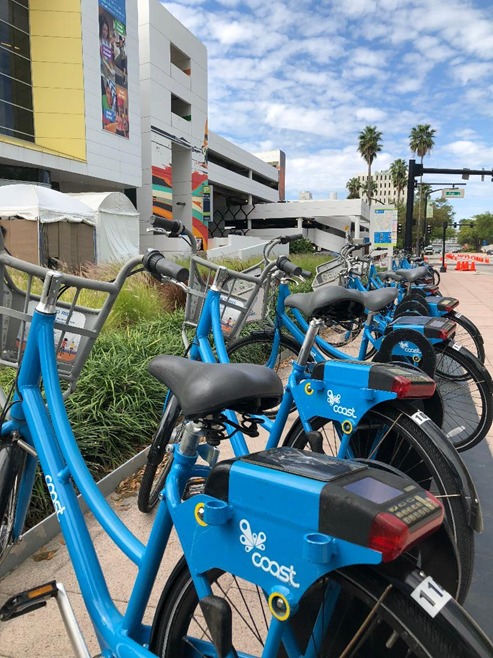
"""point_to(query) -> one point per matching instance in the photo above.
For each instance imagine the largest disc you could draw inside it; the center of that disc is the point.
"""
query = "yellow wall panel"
(74, 148)
(55, 23)
(55, 5)
(59, 125)
(54, 75)
(47, 49)
(67, 101)
(58, 76)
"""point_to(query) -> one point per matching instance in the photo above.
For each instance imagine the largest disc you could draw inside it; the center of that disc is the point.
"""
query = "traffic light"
(399, 228)
(428, 229)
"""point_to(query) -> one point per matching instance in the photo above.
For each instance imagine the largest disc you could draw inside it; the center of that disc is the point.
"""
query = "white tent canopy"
(38, 203)
(117, 224)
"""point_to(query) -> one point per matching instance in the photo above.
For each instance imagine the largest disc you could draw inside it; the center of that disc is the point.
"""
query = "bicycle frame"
(45, 426)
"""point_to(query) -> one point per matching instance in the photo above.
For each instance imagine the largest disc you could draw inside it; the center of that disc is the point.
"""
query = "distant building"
(386, 192)
(305, 196)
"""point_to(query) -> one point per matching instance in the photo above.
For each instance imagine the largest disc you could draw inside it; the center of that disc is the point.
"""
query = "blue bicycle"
(285, 552)
(379, 426)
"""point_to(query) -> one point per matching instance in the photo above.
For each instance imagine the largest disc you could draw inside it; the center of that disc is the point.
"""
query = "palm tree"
(369, 144)
(398, 172)
(353, 186)
(421, 143)
(369, 189)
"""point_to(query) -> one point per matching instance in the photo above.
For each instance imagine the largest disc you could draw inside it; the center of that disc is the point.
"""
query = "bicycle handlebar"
(157, 265)
(172, 226)
(285, 265)
(285, 239)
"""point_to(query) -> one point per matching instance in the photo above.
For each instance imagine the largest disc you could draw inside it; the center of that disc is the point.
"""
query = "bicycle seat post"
(191, 438)
(311, 334)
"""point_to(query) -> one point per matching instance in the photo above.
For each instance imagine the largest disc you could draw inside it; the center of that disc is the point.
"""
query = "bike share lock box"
(435, 329)
(342, 499)
(443, 304)
(344, 391)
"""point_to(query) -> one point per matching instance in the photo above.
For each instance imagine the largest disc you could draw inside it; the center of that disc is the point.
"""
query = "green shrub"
(301, 246)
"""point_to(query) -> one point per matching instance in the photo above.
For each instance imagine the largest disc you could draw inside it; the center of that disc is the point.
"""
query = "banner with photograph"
(113, 60)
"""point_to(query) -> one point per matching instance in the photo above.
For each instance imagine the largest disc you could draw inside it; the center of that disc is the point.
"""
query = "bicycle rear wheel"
(393, 438)
(399, 626)
(12, 459)
(466, 396)
(158, 460)
(468, 335)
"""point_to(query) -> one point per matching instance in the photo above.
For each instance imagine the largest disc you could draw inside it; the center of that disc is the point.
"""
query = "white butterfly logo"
(403, 345)
(251, 540)
(333, 399)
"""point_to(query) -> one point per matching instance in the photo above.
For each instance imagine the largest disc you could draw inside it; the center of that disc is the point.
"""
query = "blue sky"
(306, 77)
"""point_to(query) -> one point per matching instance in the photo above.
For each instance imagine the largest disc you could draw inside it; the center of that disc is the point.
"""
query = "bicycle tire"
(398, 616)
(150, 486)
(257, 348)
(467, 398)
(12, 461)
(409, 449)
(468, 334)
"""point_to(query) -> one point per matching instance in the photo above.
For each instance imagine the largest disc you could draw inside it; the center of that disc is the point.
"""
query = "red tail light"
(405, 388)
(390, 536)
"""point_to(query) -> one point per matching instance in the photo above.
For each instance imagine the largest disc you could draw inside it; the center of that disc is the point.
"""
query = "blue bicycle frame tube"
(210, 318)
(61, 461)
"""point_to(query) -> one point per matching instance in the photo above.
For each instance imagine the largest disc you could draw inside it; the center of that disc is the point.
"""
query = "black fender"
(483, 370)
(451, 618)
(163, 433)
(471, 327)
(11, 463)
(454, 461)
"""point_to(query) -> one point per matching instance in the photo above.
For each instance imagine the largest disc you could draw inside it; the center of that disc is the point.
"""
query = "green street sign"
(452, 193)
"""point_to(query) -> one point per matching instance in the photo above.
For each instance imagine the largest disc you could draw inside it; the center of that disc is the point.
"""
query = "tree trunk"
(368, 185)
(398, 196)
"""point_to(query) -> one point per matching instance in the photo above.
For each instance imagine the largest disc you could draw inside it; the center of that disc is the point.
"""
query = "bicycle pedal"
(194, 487)
(28, 601)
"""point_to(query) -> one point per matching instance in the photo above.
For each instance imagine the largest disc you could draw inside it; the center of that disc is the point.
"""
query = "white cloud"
(472, 72)
(370, 114)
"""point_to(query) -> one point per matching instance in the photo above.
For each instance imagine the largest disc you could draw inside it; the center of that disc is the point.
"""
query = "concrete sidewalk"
(42, 633)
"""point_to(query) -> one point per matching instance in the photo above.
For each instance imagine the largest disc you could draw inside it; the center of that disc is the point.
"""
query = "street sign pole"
(443, 268)
(412, 174)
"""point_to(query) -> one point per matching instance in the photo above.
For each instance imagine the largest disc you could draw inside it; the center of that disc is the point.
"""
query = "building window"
(180, 60)
(16, 100)
(181, 108)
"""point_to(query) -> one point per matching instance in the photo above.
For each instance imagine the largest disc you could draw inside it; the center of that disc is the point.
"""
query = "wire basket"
(327, 273)
(76, 326)
(242, 302)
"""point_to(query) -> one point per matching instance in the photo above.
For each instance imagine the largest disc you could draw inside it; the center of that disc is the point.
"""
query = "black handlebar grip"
(291, 238)
(158, 266)
(306, 274)
(286, 266)
(171, 225)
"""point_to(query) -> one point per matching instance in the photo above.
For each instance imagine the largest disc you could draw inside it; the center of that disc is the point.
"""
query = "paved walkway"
(41, 634)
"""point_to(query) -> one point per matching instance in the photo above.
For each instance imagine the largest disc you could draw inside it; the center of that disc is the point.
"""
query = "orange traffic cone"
(466, 266)
(473, 266)
(457, 266)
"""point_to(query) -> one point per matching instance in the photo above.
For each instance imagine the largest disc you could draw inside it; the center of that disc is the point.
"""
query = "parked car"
(428, 251)
(489, 252)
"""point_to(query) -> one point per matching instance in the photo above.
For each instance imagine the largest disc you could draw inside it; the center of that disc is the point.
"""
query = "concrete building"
(101, 95)
(52, 124)
(386, 192)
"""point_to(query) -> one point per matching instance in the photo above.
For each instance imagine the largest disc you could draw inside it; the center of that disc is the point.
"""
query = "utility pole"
(416, 169)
